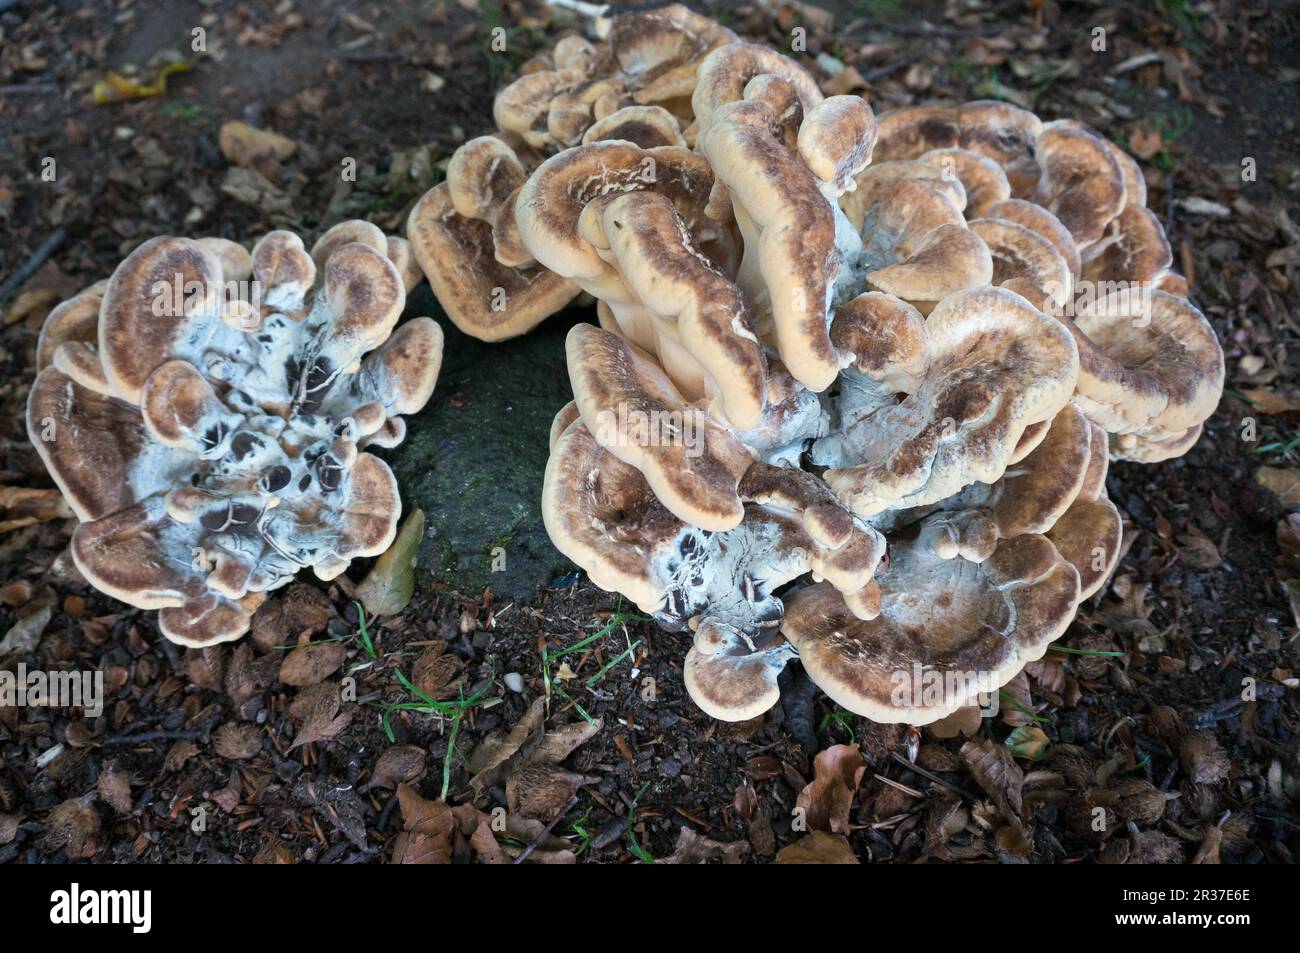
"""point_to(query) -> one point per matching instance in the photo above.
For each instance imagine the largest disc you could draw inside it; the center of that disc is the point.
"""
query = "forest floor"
(1186, 735)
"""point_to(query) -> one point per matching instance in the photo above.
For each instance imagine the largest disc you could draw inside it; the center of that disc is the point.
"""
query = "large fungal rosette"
(822, 337)
(205, 413)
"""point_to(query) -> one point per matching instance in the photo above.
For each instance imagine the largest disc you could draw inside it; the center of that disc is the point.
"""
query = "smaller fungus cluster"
(205, 412)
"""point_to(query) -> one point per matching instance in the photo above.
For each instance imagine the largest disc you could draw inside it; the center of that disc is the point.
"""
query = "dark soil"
(1198, 609)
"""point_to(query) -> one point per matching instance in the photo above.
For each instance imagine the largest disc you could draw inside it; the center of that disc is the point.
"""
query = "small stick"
(546, 831)
(34, 262)
(120, 740)
(17, 89)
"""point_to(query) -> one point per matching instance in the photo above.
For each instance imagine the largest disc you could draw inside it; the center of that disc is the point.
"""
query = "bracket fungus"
(632, 86)
(855, 388)
(206, 413)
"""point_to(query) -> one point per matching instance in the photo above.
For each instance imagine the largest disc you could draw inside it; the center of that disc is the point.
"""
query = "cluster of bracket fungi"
(856, 381)
(852, 396)
(205, 411)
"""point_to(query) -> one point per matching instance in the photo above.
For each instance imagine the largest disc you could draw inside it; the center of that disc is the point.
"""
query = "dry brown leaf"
(435, 670)
(964, 721)
(426, 829)
(1282, 482)
(827, 800)
(400, 764)
(178, 754)
(1146, 143)
(253, 148)
(312, 664)
(997, 774)
(560, 742)
(8, 828)
(693, 848)
(22, 506)
(818, 847)
(1271, 402)
(317, 710)
(486, 761)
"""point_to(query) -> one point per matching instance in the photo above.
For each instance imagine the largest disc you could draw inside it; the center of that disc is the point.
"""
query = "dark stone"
(474, 458)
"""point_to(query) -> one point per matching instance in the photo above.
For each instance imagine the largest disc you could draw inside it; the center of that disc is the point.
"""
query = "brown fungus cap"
(484, 298)
(1082, 183)
(692, 464)
(727, 71)
(1042, 223)
(917, 245)
(1150, 365)
(982, 179)
(791, 259)
(703, 333)
(1021, 255)
(647, 126)
(996, 366)
(1030, 497)
(948, 630)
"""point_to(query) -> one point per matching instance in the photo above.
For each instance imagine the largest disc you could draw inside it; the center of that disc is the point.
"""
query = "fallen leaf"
(312, 664)
(964, 721)
(693, 848)
(400, 764)
(252, 148)
(22, 506)
(1270, 402)
(1028, 741)
(116, 88)
(426, 830)
(316, 709)
(435, 671)
(1284, 483)
(388, 587)
(827, 799)
(997, 774)
(1145, 143)
(818, 847)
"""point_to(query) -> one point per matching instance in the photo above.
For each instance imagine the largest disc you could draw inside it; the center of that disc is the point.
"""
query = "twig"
(880, 72)
(118, 741)
(922, 29)
(17, 89)
(546, 831)
(377, 57)
(34, 262)
(931, 775)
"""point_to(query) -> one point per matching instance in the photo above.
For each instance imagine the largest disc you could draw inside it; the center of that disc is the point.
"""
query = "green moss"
(474, 459)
